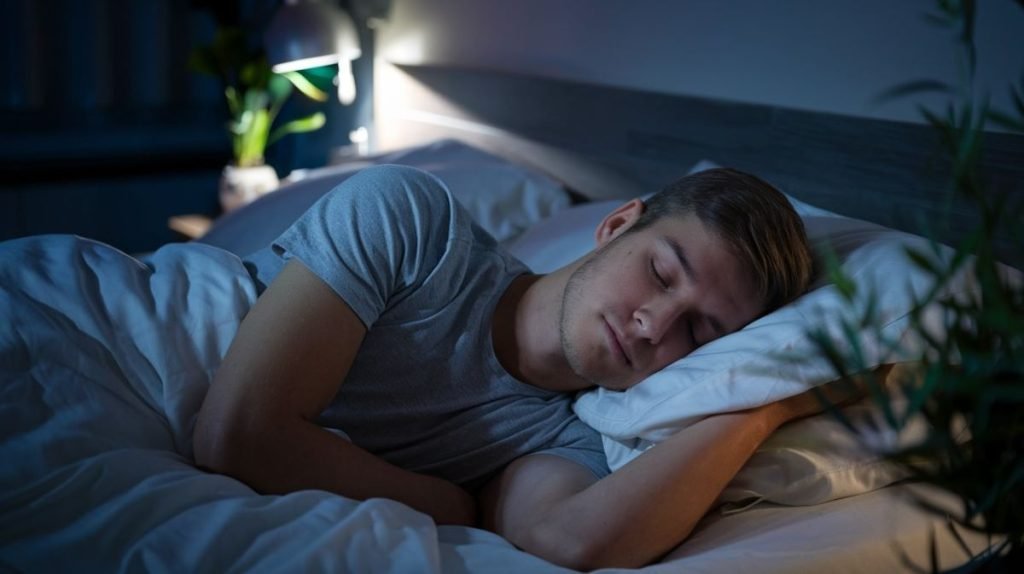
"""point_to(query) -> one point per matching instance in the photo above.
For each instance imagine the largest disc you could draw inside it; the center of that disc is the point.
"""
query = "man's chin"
(613, 385)
(580, 369)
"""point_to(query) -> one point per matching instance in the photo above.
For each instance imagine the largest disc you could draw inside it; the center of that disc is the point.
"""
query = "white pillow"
(502, 197)
(817, 459)
(562, 239)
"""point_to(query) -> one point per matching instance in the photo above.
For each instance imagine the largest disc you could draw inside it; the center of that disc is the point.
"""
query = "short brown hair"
(757, 221)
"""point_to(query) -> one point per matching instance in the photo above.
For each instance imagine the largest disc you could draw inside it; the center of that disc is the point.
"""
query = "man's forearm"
(644, 509)
(298, 455)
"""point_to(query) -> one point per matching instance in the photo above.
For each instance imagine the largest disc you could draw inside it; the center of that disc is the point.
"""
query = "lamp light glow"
(305, 64)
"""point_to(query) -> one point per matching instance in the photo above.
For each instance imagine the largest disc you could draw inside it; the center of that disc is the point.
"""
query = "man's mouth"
(615, 344)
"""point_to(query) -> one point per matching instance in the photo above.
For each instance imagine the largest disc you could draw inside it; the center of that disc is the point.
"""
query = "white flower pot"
(242, 185)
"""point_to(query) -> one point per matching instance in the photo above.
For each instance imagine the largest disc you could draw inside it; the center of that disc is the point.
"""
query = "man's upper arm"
(290, 355)
(515, 502)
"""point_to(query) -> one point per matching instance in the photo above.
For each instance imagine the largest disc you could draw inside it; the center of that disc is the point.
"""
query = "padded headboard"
(613, 142)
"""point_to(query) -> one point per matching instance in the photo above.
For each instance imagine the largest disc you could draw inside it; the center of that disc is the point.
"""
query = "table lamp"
(310, 33)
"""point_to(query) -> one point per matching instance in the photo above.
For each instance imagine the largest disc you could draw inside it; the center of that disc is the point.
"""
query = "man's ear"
(618, 221)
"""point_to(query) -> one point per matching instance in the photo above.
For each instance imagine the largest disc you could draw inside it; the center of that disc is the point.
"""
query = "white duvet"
(104, 361)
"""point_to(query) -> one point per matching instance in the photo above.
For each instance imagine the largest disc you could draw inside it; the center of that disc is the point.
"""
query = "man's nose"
(655, 320)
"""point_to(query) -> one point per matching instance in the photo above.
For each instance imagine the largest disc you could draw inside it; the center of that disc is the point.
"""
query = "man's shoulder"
(402, 188)
(382, 203)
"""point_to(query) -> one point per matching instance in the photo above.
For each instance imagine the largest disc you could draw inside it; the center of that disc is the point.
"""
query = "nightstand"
(191, 226)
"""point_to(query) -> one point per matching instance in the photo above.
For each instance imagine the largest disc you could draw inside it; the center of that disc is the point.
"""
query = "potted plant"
(254, 95)
(971, 377)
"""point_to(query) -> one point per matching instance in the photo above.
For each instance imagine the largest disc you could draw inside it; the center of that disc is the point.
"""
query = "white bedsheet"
(104, 361)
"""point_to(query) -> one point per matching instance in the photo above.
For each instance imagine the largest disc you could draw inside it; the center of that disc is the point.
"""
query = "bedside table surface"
(191, 226)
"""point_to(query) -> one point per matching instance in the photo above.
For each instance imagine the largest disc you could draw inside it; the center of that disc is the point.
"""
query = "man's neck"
(526, 335)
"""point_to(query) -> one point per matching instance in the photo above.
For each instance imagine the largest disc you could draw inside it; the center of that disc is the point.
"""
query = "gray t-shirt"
(426, 391)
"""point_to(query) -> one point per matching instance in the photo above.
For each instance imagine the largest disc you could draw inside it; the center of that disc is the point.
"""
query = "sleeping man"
(398, 352)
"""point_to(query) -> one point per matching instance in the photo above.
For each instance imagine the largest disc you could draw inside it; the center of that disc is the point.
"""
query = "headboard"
(615, 142)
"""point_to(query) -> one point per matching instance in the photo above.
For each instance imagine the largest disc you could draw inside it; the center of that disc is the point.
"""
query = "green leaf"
(229, 51)
(305, 86)
(301, 125)
(254, 139)
(823, 342)
(941, 20)
(967, 18)
(279, 89)
(923, 392)
(913, 88)
(870, 317)
(243, 123)
(1018, 100)
(944, 128)
(234, 105)
(933, 552)
(973, 134)
(922, 261)
(203, 60)
(853, 339)
(837, 276)
(951, 528)
(1005, 120)
(255, 74)
(255, 99)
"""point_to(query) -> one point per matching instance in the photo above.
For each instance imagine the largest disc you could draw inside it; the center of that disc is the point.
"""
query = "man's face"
(648, 298)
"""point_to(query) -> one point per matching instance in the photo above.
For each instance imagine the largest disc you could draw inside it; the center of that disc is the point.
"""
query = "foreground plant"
(969, 386)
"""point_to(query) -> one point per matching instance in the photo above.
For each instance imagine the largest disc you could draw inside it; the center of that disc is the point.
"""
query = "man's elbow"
(573, 549)
(216, 444)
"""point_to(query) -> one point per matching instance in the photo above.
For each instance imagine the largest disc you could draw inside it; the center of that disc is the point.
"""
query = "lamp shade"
(310, 33)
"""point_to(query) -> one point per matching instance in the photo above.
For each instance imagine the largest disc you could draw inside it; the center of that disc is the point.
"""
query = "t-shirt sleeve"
(582, 445)
(376, 237)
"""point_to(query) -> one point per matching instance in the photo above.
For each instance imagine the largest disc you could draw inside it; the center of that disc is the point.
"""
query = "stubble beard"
(571, 298)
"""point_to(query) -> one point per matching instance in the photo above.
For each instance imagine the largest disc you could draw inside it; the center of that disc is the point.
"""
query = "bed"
(105, 357)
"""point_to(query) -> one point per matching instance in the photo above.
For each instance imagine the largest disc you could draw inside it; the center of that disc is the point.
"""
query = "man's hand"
(839, 393)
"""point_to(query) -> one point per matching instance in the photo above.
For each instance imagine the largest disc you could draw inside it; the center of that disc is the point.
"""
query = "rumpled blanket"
(104, 362)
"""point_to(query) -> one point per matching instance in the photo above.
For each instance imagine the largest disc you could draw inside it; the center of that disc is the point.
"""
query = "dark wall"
(104, 130)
